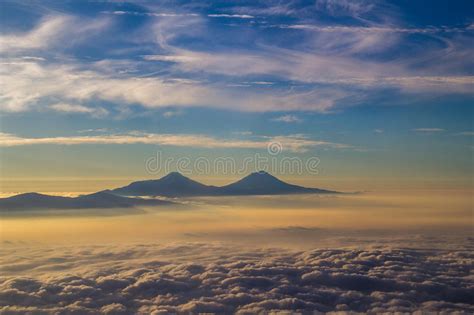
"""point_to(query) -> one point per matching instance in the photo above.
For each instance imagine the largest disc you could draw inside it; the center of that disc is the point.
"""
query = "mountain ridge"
(175, 184)
(101, 200)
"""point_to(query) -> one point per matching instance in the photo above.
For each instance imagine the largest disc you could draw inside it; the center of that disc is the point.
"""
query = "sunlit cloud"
(187, 277)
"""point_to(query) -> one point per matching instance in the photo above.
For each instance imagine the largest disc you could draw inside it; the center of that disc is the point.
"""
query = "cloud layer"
(213, 278)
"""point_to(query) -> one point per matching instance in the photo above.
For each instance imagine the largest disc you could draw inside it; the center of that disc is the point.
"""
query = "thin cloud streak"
(75, 108)
(465, 133)
(237, 16)
(152, 14)
(428, 130)
(293, 143)
(374, 29)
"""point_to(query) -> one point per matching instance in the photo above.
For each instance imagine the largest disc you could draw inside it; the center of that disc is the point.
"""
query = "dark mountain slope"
(172, 185)
(262, 183)
(103, 199)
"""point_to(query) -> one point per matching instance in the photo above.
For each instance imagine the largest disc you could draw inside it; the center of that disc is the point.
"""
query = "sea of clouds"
(221, 278)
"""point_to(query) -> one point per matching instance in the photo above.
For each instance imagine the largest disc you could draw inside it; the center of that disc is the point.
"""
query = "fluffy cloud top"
(212, 278)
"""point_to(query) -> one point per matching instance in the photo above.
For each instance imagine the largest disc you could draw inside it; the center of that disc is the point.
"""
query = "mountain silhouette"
(262, 183)
(102, 199)
(172, 185)
(176, 185)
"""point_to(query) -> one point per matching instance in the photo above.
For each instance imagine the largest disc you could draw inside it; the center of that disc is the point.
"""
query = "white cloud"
(329, 59)
(238, 16)
(372, 29)
(261, 82)
(76, 108)
(172, 113)
(378, 130)
(152, 14)
(292, 143)
(288, 119)
(352, 8)
(93, 130)
(40, 37)
(170, 58)
(28, 84)
(465, 133)
(51, 31)
(242, 133)
(428, 130)
(317, 69)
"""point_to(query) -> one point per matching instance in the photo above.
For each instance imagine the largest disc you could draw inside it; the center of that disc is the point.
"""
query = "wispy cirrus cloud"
(334, 64)
(50, 31)
(40, 37)
(329, 59)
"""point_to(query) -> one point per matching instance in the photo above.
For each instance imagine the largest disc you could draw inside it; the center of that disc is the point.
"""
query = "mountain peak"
(261, 173)
(174, 175)
(171, 185)
(263, 183)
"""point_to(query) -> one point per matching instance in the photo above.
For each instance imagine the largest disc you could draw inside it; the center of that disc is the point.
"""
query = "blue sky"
(372, 88)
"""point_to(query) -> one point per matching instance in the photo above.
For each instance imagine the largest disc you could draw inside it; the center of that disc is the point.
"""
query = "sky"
(373, 91)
